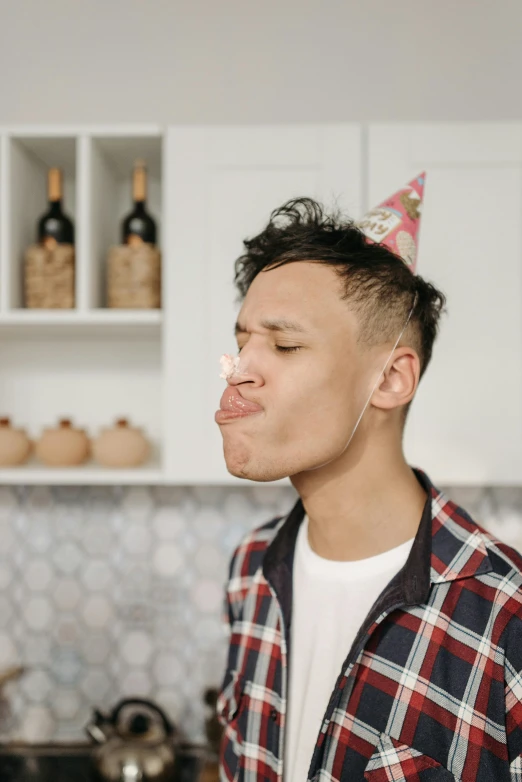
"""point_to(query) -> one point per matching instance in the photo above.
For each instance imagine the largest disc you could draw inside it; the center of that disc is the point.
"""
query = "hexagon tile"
(110, 592)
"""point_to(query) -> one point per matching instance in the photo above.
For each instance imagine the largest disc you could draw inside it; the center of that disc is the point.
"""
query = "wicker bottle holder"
(134, 277)
(49, 277)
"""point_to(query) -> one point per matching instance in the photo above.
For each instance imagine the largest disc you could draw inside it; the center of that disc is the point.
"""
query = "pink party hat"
(395, 222)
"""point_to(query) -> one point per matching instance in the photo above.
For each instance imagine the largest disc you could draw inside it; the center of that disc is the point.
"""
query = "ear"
(400, 380)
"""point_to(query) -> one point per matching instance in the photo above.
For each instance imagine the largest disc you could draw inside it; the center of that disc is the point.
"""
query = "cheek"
(326, 396)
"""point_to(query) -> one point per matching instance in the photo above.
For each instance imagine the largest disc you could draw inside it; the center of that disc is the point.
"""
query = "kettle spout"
(95, 730)
(96, 733)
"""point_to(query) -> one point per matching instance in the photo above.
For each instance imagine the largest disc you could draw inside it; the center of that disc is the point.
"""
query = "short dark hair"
(376, 282)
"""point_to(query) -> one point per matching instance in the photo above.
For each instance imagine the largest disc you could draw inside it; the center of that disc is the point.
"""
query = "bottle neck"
(55, 205)
(54, 185)
(139, 206)
(139, 182)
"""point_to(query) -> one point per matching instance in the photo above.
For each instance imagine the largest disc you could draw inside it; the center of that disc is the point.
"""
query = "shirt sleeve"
(228, 621)
(513, 695)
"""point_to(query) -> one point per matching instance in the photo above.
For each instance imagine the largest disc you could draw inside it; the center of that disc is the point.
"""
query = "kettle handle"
(169, 728)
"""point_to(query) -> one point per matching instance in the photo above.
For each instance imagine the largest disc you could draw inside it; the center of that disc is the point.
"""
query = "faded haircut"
(376, 282)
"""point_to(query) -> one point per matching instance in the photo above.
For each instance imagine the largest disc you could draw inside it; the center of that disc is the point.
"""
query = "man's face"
(311, 397)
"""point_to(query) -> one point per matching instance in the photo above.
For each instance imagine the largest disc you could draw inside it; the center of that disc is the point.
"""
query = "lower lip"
(222, 416)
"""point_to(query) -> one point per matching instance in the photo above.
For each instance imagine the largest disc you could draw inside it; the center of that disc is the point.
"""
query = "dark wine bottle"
(54, 227)
(139, 226)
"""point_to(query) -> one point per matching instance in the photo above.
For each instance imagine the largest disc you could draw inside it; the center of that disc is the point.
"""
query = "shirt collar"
(448, 545)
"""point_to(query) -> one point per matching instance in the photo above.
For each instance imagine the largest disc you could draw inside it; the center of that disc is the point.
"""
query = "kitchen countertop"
(73, 763)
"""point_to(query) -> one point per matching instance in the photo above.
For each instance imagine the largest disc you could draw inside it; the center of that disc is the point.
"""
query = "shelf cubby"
(111, 159)
(93, 379)
(26, 161)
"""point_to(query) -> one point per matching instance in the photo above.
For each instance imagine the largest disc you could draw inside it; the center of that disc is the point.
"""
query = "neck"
(362, 504)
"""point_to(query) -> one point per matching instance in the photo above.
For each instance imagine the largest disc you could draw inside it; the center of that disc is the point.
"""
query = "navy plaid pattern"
(431, 689)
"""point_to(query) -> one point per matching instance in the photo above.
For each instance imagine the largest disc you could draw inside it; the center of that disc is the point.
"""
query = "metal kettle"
(134, 743)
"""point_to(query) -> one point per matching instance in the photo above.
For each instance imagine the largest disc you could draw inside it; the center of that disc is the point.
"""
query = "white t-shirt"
(330, 602)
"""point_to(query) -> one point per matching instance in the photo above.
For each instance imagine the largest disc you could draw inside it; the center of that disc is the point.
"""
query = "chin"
(259, 476)
(241, 464)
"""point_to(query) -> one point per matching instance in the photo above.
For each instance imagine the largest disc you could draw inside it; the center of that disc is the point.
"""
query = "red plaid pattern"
(432, 687)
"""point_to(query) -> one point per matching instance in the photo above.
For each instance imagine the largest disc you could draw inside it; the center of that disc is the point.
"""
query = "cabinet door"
(221, 185)
(466, 423)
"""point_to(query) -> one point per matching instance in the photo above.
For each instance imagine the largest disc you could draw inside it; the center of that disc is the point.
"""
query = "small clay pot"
(15, 445)
(63, 446)
(121, 446)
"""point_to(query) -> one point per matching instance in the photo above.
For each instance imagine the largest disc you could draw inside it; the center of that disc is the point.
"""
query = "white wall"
(226, 61)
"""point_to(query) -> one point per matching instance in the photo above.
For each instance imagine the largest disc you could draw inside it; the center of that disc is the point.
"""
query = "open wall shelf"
(91, 364)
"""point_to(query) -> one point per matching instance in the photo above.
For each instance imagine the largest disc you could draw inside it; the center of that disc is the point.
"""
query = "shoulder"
(467, 553)
(506, 562)
(248, 557)
(249, 554)
(470, 546)
(506, 580)
(502, 583)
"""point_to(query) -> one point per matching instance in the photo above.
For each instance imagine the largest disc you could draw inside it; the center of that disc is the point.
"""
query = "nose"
(246, 372)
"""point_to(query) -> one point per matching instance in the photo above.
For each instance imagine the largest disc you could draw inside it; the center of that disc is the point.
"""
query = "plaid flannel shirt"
(431, 689)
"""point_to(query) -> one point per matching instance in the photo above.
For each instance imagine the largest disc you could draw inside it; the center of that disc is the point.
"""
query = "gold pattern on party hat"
(395, 223)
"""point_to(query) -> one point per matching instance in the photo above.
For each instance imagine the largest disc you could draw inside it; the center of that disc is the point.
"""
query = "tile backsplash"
(110, 592)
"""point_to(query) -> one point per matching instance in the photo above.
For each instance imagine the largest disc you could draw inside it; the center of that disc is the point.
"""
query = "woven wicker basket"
(134, 277)
(49, 277)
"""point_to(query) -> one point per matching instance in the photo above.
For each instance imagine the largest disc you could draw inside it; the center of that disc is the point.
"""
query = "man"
(376, 631)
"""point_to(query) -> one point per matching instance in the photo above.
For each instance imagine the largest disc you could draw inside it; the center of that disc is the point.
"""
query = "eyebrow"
(274, 324)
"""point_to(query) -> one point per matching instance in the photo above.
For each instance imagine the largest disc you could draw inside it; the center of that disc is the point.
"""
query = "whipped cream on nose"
(232, 366)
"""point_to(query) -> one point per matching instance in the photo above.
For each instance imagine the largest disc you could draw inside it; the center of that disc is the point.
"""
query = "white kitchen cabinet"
(222, 185)
(465, 425)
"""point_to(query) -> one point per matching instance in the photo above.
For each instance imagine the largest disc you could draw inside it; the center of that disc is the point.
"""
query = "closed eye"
(280, 348)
